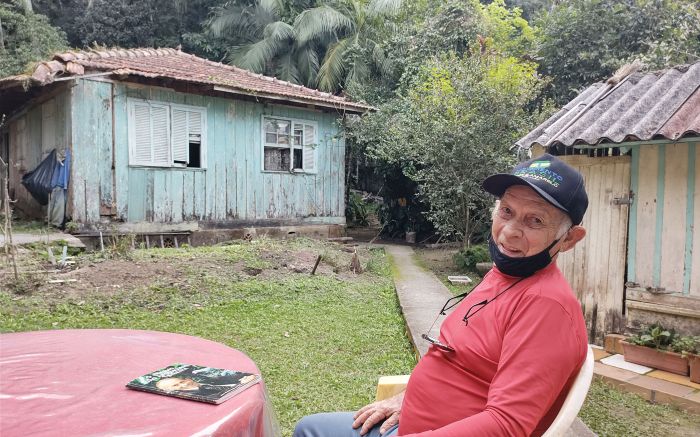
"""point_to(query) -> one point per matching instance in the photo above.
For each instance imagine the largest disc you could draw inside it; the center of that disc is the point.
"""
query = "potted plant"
(689, 347)
(652, 347)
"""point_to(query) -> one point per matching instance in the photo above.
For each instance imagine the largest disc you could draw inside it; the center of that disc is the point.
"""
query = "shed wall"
(664, 250)
(231, 189)
(663, 279)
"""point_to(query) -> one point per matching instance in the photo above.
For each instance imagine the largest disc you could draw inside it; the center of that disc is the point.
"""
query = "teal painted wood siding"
(664, 249)
(232, 187)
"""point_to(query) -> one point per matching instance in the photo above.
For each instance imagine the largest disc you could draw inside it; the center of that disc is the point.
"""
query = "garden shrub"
(466, 259)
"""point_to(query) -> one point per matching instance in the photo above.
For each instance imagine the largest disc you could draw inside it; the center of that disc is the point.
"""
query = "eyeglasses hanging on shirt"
(471, 312)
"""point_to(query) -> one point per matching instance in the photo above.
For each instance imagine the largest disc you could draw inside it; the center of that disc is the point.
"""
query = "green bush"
(466, 259)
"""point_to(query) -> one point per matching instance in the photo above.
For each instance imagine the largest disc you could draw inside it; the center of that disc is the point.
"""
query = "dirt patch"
(91, 274)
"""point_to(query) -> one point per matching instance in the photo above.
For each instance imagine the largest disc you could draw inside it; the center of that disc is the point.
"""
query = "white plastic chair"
(390, 385)
(574, 400)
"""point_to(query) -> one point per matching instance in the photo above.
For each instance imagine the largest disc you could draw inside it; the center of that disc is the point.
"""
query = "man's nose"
(512, 229)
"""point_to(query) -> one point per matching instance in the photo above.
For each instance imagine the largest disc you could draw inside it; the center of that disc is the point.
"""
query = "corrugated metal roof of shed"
(644, 106)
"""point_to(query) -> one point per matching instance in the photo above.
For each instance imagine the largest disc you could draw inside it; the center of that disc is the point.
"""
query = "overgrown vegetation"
(25, 37)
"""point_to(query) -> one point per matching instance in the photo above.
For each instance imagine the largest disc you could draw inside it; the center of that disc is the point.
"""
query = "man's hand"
(388, 410)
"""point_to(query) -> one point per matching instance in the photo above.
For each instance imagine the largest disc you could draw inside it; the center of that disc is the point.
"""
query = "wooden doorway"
(595, 268)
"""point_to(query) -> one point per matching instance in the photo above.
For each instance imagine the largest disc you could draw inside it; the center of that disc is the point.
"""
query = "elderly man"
(508, 353)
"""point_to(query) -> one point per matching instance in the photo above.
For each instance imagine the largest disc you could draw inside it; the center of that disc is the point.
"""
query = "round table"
(72, 383)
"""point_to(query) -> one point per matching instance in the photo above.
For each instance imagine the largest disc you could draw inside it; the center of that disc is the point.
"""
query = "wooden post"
(7, 209)
(318, 260)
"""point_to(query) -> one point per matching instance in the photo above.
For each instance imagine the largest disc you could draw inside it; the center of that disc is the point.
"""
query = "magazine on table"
(197, 383)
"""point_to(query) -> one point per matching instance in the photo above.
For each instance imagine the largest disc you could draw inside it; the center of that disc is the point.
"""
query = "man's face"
(170, 384)
(524, 223)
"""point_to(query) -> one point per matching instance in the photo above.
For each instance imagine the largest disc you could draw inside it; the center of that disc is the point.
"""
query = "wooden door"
(595, 268)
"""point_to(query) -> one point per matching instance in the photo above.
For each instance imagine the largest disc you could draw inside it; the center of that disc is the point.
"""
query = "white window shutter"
(194, 126)
(180, 136)
(141, 146)
(161, 135)
(310, 143)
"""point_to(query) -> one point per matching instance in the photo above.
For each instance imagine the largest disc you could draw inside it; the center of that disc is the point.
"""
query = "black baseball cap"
(553, 179)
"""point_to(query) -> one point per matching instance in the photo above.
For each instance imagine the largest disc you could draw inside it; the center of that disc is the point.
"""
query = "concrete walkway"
(421, 296)
(20, 238)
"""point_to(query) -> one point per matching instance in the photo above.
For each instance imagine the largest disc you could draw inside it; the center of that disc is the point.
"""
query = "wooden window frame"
(305, 148)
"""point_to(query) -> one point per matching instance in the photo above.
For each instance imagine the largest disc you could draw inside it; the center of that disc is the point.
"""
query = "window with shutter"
(310, 148)
(289, 145)
(180, 137)
(166, 135)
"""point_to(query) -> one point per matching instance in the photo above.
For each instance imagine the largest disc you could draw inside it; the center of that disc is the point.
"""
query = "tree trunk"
(27, 7)
(467, 240)
(2, 38)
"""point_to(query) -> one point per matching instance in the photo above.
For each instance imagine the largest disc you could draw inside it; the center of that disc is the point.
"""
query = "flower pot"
(656, 358)
(694, 361)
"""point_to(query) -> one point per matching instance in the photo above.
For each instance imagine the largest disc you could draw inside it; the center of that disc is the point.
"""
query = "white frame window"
(289, 145)
(166, 134)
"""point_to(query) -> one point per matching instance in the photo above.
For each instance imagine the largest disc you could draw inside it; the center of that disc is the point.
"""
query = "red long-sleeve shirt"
(513, 364)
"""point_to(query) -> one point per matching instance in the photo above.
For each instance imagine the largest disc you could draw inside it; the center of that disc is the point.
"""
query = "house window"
(289, 145)
(166, 135)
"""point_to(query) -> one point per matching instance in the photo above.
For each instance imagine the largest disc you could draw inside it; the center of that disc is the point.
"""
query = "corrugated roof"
(643, 106)
(174, 64)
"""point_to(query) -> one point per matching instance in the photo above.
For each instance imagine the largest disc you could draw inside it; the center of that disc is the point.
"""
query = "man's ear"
(575, 234)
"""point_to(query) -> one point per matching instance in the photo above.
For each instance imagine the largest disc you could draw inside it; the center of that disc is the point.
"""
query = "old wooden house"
(163, 140)
(636, 143)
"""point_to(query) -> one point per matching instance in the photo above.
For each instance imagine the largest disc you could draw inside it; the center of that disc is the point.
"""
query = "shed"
(161, 140)
(636, 143)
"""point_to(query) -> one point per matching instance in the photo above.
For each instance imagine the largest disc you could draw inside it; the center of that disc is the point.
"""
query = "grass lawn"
(607, 411)
(321, 342)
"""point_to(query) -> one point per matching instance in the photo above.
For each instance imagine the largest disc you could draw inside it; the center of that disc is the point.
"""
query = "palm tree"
(347, 33)
(351, 31)
(264, 41)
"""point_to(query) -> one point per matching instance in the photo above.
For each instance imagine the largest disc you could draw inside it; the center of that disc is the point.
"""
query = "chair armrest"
(389, 386)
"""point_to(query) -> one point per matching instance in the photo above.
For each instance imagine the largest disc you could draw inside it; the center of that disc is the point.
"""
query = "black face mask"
(521, 267)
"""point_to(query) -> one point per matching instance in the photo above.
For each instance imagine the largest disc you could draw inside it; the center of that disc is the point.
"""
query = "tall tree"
(353, 32)
(263, 40)
(453, 126)
(26, 38)
(289, 38)
(584, 41)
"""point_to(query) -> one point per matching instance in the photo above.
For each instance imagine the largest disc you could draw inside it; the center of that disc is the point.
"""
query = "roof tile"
(174, 64)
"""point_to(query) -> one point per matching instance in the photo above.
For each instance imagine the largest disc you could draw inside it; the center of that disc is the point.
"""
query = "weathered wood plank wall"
(231, 188)
(664, 257)
(33, 134)
(664, 239)
(595, 268)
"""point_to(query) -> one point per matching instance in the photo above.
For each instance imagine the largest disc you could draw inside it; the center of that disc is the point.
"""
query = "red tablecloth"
(72, 383)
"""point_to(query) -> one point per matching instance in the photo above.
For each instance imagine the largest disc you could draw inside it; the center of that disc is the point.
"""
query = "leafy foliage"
(685, 345)
(25, 37)
(466, 259)
(451, 129)
(654, 336)
(577, 53)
